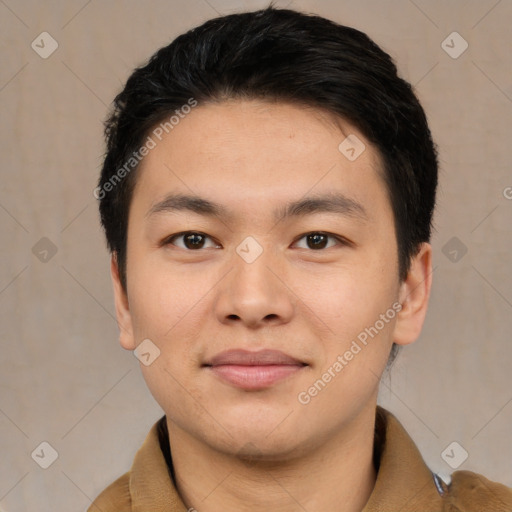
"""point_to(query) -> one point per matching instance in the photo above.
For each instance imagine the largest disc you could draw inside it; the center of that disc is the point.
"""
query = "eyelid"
(169, 239)
(342, 241)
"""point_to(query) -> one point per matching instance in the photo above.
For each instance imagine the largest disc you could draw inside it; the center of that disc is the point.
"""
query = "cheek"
(349, 298)
(161, 300)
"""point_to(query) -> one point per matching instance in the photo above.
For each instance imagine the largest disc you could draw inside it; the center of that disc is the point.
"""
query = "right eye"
(190, 240)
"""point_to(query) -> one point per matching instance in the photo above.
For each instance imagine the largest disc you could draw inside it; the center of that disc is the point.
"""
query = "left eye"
(191, 240)
(318, 240)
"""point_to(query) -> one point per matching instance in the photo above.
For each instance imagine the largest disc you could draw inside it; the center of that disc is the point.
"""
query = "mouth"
(253, 370)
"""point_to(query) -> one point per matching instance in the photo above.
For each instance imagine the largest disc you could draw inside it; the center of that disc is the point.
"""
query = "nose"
(254, 294)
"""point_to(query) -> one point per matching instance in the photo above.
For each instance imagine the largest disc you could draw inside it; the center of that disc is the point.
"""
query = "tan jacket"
(404, 483)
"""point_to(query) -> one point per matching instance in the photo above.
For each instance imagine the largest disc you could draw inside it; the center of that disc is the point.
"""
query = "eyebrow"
(330, 203)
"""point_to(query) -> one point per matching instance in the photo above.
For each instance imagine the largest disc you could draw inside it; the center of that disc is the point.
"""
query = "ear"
(124, 318)
(413, 296)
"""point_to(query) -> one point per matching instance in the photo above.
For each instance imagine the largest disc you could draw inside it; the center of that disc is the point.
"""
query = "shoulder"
(115, 498)
(471, 492)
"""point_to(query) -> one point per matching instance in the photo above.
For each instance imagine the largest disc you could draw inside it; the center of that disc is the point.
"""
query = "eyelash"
(340, 240)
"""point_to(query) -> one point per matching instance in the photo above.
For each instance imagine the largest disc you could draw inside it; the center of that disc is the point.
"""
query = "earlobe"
(124, 319)
(414, 296)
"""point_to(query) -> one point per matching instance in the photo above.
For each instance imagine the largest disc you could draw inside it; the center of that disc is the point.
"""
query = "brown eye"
(317, 240)
(191, 240)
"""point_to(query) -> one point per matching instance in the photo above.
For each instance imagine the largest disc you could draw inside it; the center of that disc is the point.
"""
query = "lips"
(247, 358)
(253, 370)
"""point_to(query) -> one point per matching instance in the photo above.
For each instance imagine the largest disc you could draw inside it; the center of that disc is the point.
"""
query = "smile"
(253, 370)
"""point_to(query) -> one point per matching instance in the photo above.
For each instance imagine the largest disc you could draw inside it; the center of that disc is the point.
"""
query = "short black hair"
(285, 56)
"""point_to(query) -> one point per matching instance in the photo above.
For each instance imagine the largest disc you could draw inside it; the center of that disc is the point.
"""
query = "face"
(262, 265)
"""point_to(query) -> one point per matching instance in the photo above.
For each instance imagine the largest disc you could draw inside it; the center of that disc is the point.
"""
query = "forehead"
(260, 152)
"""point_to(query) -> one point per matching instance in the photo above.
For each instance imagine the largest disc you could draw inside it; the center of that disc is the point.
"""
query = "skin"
(240, 450)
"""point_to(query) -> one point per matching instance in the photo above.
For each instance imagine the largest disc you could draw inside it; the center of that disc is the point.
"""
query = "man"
(267, 195)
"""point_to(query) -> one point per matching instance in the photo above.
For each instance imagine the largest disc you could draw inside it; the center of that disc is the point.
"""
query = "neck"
(338, 474)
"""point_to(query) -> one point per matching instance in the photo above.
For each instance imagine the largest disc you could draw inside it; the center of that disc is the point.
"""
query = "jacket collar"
(404, 482)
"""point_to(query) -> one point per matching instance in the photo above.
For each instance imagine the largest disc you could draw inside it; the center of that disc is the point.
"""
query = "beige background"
(64, 378)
